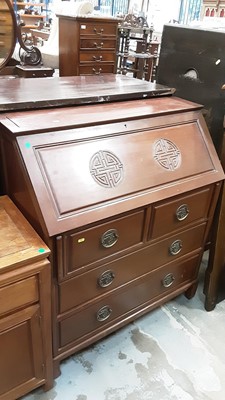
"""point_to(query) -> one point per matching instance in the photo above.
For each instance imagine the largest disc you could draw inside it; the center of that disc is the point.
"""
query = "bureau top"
(36, 93)
(90, 18)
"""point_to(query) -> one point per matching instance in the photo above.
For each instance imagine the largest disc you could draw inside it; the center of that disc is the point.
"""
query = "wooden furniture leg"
(216, 255)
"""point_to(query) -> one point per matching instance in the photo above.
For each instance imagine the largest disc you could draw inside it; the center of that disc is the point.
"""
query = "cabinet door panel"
(21, 361)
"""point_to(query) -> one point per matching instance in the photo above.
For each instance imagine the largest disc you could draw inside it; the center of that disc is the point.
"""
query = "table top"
(36, 93)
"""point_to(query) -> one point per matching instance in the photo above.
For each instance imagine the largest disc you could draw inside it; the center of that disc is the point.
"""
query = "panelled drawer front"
(18, 294)
(121, 271)
(98, 44)
(96, 69)
(98, 29)
(103, 240)
(97, 56)
(158, 283)
(178, 213)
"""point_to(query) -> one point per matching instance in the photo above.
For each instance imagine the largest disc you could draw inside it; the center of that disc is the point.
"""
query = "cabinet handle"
(168, 280)
(97, 72)
(98, 32)
(98, 46)
(106, 278)
(182, 212)
(104, 313)
(109, 238)
(175, 247)
(97, 59)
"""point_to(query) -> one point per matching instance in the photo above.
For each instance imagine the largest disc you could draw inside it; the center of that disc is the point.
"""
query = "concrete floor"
(176, 352)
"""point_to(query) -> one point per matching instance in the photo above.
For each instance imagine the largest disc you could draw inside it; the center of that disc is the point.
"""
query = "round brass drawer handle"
(98, 46)
(106, 278)
(182, 212)
(96, 72)
(109, 238)
(168, 280)
(100, 32)
(97, 59)
(104, 313)
(175, 247)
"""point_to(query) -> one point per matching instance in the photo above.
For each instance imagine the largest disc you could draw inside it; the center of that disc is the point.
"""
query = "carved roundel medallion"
(167, 154)
(106, 169)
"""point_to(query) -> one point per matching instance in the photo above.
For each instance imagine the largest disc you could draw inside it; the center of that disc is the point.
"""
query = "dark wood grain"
(33, 93)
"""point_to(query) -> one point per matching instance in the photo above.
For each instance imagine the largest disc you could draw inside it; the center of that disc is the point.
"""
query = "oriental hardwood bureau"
(123, 192)
(25, 319)
(87, 45)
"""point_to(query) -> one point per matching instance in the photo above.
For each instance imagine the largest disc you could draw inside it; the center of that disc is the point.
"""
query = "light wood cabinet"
(25, 327)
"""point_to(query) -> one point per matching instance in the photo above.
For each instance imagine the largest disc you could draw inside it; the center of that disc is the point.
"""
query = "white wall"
(161, 12)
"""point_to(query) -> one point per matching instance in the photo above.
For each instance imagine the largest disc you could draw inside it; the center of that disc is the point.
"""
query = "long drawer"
(97, 56)
(100, 280)
(98, 44)
(124, 302)
(96, 69)
(98, 29)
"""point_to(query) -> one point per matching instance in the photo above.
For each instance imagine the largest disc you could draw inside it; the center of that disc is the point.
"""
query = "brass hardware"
(100, 32)
(106, 278)
(168, 280)
(182, 212)
(175, 247)
(104, 313)
(97, 59)
(97, 72)
(109, 238)
(98, 46)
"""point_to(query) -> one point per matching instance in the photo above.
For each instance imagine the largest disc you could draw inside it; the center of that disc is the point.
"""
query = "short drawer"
(97, 56)
(179, 212)
(101, 280)
(96, 69)
(93, 244)
(98, 44)
(18, 294)
(98, 29)
(124, 303)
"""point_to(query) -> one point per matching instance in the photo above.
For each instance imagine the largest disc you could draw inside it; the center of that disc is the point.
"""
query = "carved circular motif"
(106, 169)
(167, 154)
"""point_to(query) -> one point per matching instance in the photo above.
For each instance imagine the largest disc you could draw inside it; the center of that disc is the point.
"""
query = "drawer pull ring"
(182, 212)
(175, 247)
(104, 313)
(109, 238)
(97, 59)
(106, 278)
(98, 46)
(168, 280)
(97, 72)
(100, 32)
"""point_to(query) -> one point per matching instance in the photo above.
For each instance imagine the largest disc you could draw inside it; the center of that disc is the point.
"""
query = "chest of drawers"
(87, 46)
(25, 313)
(124, 194)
